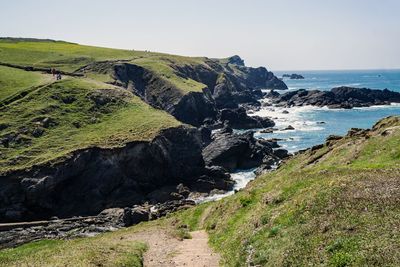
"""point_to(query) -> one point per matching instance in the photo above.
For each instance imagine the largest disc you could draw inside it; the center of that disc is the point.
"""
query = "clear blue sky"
(279, 34)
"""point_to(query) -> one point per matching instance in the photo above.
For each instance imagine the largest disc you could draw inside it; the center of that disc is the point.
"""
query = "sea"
(312, 125)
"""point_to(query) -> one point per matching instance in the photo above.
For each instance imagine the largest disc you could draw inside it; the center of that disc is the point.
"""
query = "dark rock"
(272, 94)
(164, 194)
(289, 127)
(138, 214)
(94, 179)
(238, 119)
(333, 137)
(268, 130)
(183, 190)
(356, 132)
(3, 126)
(237, 151)
(281, 153)
(77, 124)
(236, 60)
(293, 76)
(225, 86)
(68, 99)
(317, 147)
(226, 129)
(108, 220)
(37, 132)
(340, 97)
(205, 135)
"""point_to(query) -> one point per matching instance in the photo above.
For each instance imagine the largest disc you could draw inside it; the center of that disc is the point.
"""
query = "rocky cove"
(138, 182)
(97, 189)
(100, 189)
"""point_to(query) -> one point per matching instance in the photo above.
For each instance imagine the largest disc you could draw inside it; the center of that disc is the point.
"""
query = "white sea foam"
(241, 178)
(295, 117)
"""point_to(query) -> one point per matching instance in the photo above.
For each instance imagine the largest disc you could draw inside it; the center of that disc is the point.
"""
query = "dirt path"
(196, 252)
(167, 251)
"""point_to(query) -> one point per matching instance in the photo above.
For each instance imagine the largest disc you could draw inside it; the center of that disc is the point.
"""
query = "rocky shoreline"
(96, 190)
(339, 97)
(14, 234)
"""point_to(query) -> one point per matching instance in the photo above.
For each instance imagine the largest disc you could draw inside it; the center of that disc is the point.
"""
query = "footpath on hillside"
(167, 251)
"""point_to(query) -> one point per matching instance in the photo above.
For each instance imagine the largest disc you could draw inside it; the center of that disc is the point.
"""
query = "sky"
(278, 34)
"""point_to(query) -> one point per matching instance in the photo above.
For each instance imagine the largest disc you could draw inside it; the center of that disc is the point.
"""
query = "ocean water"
(326, 80)
(312, 124)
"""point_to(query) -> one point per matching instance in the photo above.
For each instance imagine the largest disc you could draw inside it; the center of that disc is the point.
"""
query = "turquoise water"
(325, 80)
(312, 125)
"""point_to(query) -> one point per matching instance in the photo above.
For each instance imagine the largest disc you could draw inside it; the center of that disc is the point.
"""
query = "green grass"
(307, 213)
(341, 210)
(110, 249)
(161, 66)
(13, 81)
(76, 121)
(70, 57)
(60, 55)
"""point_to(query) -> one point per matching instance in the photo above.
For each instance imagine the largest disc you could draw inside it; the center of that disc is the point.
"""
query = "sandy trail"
(167, 251)
(196, 252)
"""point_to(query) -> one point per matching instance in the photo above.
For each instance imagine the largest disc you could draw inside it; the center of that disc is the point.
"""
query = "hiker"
(53, 71)
(58, 76)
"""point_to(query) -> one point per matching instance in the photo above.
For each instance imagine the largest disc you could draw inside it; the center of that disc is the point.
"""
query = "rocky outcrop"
(238, 119)
(236, 60)
(340, 97)
(234, 88)
(94, 179)
(240, 151)
(293, 76)
(226, 85)
(14, 234)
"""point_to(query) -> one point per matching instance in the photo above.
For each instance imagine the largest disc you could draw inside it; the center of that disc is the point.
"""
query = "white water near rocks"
(241, 178)
(312, 125)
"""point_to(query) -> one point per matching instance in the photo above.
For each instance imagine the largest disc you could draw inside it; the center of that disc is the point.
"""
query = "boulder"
(238, 151)
(293, 76)
(238, 119)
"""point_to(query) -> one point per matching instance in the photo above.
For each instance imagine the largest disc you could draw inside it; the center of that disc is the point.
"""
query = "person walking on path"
(53, 71)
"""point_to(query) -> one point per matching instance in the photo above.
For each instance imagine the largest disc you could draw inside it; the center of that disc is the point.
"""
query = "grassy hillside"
(334, 206)
(14, 81)
(61, 55)
(110, 249)
(74, 113)
(71, 57)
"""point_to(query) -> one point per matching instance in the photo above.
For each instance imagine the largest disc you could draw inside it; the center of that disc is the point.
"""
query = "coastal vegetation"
(332, 205)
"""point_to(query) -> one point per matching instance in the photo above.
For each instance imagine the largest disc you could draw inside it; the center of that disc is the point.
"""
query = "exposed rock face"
(12, 235)
(240, 151)
(190, 108)
(226, 85)
(340, 97)
(236, 60)
(95, 179)
(238, 119)
(233, 89)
